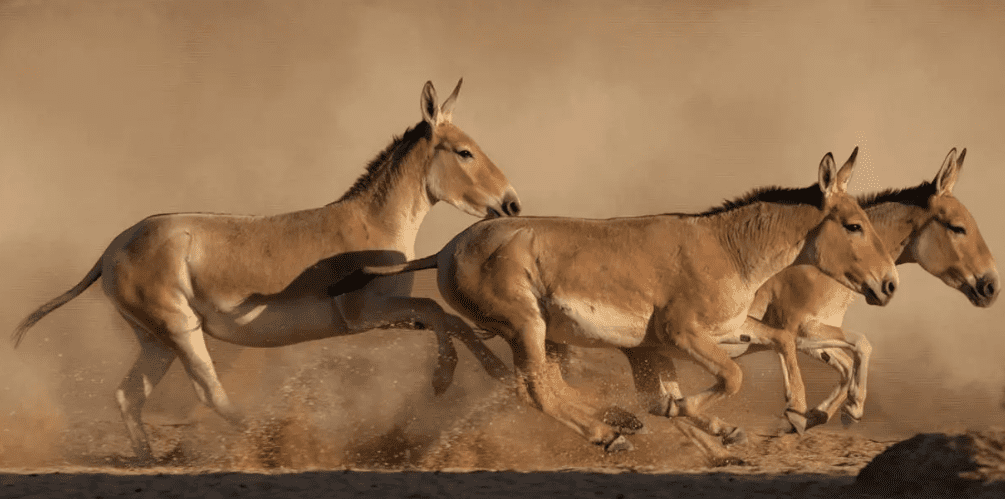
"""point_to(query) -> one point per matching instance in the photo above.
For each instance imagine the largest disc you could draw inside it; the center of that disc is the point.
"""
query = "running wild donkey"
(261, 281)
(802, 308)
(924, 224)
(648, 284)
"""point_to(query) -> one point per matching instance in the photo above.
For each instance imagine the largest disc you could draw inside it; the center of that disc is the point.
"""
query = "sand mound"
(934, 462)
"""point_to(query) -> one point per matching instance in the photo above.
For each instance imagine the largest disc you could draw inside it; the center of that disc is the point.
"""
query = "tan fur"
(261, 280)
(665, 282)
(806, 308)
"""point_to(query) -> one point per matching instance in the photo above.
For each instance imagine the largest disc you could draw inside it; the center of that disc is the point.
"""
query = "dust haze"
(113, 111)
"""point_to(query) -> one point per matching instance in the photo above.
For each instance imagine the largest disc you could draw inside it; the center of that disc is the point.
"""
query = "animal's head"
(948, 243)
(459, 172)
(845, 245)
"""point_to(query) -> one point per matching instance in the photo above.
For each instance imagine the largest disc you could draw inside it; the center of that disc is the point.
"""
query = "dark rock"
(934, 462)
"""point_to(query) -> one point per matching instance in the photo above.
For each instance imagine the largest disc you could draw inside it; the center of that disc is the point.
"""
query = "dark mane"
(771, 194)
(912, 196)
(385, 168)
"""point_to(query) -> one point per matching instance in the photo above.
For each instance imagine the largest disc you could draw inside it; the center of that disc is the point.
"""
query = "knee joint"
(732, 380)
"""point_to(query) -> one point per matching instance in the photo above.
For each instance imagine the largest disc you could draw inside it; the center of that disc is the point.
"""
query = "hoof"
(619, 444)
(673, 408)
(798, 421)
(735, 437)
(439, 387)
(624, 421)
(719, 462)
(442, 379)
(848, 420)
(816, 418)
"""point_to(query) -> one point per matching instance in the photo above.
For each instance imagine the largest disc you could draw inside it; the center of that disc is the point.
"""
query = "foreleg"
(755, 332)
(816, 336)
(703, 349)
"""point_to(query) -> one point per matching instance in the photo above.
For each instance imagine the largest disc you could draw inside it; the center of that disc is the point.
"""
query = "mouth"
(975, 298)
(871, 297)
(491, 213)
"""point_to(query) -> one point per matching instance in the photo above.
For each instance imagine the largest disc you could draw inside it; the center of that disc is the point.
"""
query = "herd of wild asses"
(776, 268)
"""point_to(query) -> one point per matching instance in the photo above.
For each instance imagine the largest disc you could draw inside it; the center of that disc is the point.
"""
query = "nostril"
(512, 208)
(988, 289)
(889, 287)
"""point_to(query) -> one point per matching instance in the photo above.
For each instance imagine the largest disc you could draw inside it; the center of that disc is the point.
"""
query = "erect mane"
(771, 194)
(919, 195)
(385, 168)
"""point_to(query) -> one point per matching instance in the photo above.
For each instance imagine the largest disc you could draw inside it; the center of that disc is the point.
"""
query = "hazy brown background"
(112, 111)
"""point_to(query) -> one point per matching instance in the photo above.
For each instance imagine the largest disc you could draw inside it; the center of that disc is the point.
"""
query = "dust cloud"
(112, 111)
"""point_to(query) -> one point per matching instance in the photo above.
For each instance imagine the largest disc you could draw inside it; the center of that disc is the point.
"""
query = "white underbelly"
(589, 323)
(276, 323)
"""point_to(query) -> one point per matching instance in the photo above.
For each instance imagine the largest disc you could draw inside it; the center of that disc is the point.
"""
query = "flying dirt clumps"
(934, 462)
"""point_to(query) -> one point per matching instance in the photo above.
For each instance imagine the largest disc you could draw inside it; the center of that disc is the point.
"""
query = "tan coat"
(261, 281)
(648, 284)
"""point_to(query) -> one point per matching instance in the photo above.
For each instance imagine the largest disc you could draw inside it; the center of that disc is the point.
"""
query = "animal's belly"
(277, 323)
(588, 323)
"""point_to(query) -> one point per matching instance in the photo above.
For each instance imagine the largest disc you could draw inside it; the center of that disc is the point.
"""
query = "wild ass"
(924, 224)
(801, 309)
(261, 281)
(648, 284)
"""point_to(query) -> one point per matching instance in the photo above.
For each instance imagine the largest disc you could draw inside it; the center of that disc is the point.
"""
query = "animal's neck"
(895, 224)
(391, 209)
(765, 238)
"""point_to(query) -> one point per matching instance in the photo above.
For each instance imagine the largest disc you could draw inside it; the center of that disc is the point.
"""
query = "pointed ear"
(844, 175)
(827, 175)
(447, 109)
(430, 113)
(950, 170)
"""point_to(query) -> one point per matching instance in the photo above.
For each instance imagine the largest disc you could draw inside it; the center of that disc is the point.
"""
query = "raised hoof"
(624, 421)
(848, 420)
(619, 444)
(735, 437)
(718, 462)
(816, 418)
(673, 408)
(798, 421)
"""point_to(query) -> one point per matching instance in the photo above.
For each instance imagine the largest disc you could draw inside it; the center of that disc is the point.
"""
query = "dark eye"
(464, 153)
(957, 229)
(853, 227)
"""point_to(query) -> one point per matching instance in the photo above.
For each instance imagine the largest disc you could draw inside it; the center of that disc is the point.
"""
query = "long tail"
(55, 303)
(361, 277)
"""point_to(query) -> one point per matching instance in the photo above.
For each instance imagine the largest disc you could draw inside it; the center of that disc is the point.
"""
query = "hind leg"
(655, 378)
(393, 310)
(195, 357)
(540, 384)
(153, 362)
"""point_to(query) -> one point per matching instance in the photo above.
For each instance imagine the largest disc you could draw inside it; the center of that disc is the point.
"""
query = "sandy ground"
(315, 438)
(820, 465)
(111, 111)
